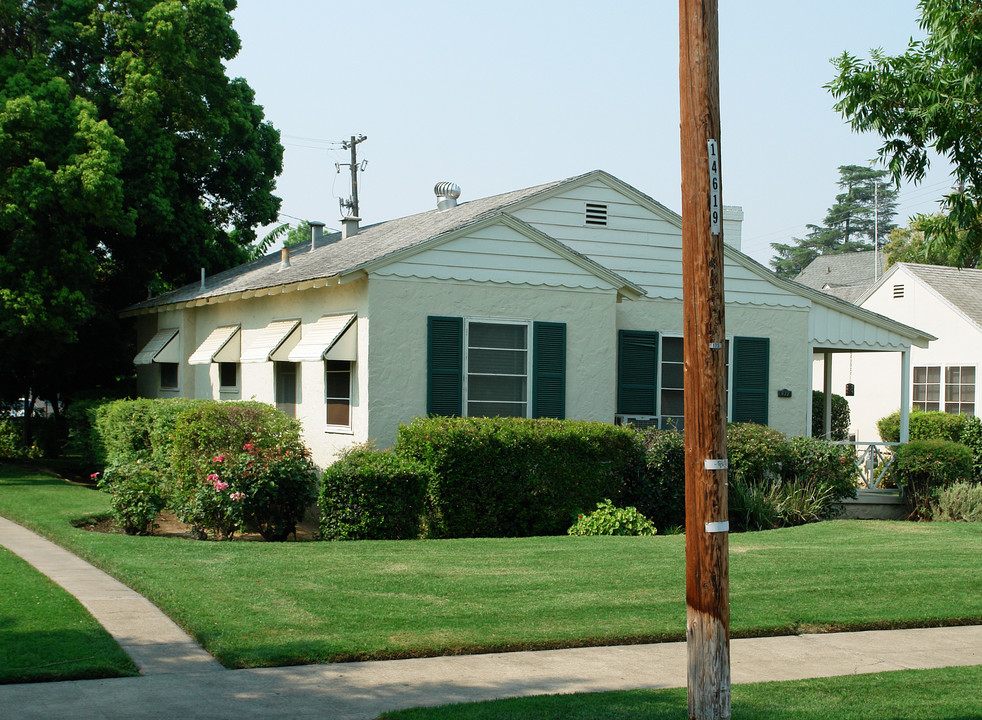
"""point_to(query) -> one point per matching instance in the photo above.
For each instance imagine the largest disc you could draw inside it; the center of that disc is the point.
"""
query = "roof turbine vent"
(446, 195)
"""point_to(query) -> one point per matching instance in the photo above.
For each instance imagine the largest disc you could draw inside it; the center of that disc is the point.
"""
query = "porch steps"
(875, 505)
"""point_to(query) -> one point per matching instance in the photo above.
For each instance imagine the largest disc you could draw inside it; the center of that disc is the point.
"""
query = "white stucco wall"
(397, 354)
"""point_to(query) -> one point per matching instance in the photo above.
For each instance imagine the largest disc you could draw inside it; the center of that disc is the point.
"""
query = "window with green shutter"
(482, 368)
(549, 370)
(444, 366)
(637, 372)
(751, 358)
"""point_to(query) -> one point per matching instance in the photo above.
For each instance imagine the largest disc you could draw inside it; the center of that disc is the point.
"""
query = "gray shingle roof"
(338, 257)
(962, 287)
(847, 276)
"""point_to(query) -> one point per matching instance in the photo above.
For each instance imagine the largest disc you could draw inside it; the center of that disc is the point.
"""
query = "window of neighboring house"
(228, 375)
(285, 377)
(927, 388)
(959, 389)
(497, 369)
(489, 368)
(168, 376)
(337, 384)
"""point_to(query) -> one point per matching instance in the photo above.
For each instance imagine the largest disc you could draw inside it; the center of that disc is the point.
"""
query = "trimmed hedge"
(933, 425)
(659, 490)
(371, 495)
(516, 477)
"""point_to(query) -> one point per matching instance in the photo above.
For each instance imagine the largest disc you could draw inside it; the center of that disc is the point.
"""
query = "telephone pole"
(352, 144)
(706, 511)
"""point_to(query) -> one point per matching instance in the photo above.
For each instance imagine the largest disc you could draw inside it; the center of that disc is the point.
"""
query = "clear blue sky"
(502, 95)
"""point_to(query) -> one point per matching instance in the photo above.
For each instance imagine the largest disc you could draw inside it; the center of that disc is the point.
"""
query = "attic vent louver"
(596, 214)
(898, 291)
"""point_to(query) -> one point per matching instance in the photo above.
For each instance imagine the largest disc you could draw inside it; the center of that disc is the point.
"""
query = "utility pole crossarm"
(352, 144)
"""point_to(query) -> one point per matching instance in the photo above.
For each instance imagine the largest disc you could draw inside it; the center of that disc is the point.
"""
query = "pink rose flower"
(220, 485)
(213, 478)
(237, 496)
(218, 458)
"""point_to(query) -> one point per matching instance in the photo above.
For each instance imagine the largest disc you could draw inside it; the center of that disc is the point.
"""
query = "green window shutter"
(637, 372)
(751, 358)
(549, 370)
(444, 365)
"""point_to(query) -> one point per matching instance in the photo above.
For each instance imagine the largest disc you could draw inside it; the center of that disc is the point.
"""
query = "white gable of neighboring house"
(943, 374)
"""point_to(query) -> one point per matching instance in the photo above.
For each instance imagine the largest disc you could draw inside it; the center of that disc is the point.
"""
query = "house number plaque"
(715, 209)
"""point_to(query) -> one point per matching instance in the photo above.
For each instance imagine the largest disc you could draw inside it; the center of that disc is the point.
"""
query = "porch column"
(827, 388)
(905, 395)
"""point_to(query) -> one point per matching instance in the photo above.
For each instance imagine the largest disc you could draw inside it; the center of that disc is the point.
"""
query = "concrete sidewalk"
(173, 687)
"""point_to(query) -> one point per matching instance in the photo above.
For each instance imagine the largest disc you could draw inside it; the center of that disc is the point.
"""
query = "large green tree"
(128, 160)
(909, 245)
(927, 98)
(860, 219)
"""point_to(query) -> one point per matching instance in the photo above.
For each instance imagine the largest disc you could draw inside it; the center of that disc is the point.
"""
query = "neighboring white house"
(945, 301)
(561, 300)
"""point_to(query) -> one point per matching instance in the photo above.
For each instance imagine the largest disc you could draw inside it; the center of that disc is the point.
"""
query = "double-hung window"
(497, 367)
(337, 386)
(651, 377)
(485, 367)
(950, 388)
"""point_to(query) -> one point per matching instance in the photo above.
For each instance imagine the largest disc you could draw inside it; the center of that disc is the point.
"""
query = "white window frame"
(942, 385)
(343, 429)
(661, 375)
(466, 360)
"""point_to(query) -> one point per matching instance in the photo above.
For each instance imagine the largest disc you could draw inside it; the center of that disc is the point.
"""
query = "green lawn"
(944, 694)
(256, 604)
(45, 634)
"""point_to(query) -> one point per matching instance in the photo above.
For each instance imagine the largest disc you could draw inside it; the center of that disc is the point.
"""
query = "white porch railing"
(875, 463)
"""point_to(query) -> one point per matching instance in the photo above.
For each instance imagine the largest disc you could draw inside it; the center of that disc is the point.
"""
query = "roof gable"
(958, 288)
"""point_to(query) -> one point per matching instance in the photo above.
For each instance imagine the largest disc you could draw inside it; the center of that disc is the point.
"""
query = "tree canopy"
(927, 98)
(128, 160)
(860, 219)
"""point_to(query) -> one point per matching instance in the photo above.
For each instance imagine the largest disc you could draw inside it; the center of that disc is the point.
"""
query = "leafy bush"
(136, 497)
(933, 425)
(610, 520)
(959, 502)
(755, 452)
(513, 477)
(659, 492)
(373, 495)
(782, 503)
(815, 460)
(923, 467)
(255, 454)
(11, 444)
(972, 438)
(840, 416)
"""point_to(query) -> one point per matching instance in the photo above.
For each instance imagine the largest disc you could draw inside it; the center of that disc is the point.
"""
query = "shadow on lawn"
(65, 654)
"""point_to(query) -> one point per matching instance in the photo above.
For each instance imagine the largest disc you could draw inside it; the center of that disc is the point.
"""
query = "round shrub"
(755, 452)
(373, 495)
(840, 416)
(972, 438)
(240, 465)
(822, 462)
(925, 466)
(136, 498)
(610, 520)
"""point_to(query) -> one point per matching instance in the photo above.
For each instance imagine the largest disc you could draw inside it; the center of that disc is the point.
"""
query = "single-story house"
(945, 301)
(560, 300)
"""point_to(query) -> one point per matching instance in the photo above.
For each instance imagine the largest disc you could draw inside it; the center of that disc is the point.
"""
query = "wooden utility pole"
(352, 144)
(706, 517)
